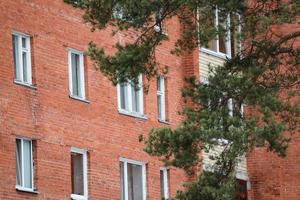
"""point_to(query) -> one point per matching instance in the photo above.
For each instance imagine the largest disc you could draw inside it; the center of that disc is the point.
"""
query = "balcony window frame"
(227, 35)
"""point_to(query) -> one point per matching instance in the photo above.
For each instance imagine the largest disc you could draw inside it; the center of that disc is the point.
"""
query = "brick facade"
(57, 122)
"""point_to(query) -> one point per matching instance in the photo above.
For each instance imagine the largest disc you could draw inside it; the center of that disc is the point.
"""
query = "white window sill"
(215, 54)
(164, 121)
(132, 114)
(78, 197)
(79, 99)
(29, 190)
(25, 84)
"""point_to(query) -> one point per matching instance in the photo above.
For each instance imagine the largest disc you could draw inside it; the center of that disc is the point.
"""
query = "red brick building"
(78, 131)
(42, 113)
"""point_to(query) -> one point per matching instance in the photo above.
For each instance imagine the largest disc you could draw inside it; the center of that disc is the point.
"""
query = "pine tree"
(261, 76)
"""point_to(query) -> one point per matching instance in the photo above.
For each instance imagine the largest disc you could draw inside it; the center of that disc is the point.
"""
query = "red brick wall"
(274, 178)
(57, 122)
(271, 177)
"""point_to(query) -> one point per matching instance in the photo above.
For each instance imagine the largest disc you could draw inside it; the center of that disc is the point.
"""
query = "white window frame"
(19, 77)
(81, 70)
(231, 108)
(125, 162)
(85, 175)
(128, 97)
(165, 171)
(22, 187)
(227, 37)
(161, 94)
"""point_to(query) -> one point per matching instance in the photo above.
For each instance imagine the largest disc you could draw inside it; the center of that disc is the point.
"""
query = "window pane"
(19, 162)
(23, 42)
(162, 184)
(135, 99)
(123, 95)
(159, 110)
(122, 181)
(222, 17)
(158, 84)
(25, 67)
(77, 173)
(75, 74)
(16, 57)
(234, 34)
(135, 182)
(211, 22)
(27, 164)
(212, 45)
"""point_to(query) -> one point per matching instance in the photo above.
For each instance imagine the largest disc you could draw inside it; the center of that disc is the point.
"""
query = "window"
(130, 97)
(22, 58)
(227, 43)
(133, 180)
(164, 183)
(79, 174)
(241, 189)
(161, 100)
(235, 109)
(76, 74)
(24, 165)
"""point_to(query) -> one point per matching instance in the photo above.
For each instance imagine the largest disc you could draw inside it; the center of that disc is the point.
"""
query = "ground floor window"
(133, 180)
(79, 174)
(241, 191)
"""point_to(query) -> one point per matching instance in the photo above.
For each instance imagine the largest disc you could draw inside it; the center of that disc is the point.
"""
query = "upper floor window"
(235, 109)
(161, 99)
(164, 183)
(227, 42)
(76, 74)
(133, 180)
(79, 174)
(22, 58)
(24, 164)
(130, 97)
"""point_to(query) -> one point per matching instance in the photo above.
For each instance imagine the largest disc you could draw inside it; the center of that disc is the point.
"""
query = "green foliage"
(209, 186)
(263, 76)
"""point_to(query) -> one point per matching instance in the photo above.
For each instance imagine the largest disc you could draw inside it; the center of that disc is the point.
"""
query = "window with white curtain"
(22, 58)
(133, 180)
(130, 97)
(164, 183)
(79, 174)
(161, 99)
(24, 164)
(76, 74)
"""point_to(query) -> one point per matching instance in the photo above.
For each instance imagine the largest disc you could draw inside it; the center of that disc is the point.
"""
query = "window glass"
(27, 163)
(162, 184)
(135, 98)
(130, 97)
(131, 177)
(77, 173)
(24, 164)
(161, 98)
(16, 57)
(134, 178)
(19, 159)
(75, 74)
